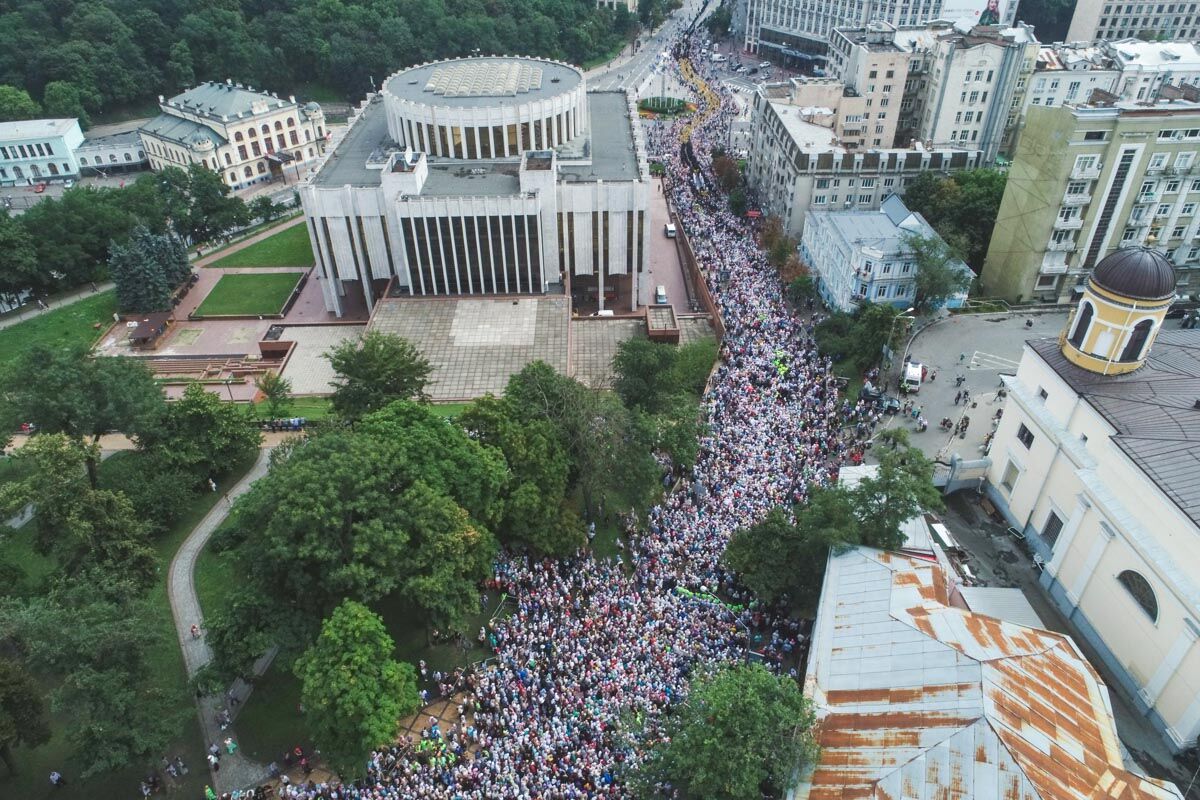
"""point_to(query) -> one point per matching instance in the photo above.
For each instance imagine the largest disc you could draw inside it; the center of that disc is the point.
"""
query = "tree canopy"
(353, 691)
(374, 371)
(742, 730)
(961, 207)
(200, 435)
(859, 338)
(117, 53)
(940, 275)
(22, 712)
(147, 269)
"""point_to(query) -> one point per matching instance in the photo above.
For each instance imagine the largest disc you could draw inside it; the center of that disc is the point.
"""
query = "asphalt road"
(629, 73)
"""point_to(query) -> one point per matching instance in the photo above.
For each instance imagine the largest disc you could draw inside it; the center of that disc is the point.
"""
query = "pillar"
(1170, 663)
(1079, 585)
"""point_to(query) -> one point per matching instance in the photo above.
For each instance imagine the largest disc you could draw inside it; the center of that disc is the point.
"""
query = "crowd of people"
(598, 650)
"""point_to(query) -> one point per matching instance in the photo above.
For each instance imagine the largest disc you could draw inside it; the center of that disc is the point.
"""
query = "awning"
(281, 157)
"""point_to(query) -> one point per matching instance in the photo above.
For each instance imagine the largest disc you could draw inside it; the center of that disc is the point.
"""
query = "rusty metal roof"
(921, 699)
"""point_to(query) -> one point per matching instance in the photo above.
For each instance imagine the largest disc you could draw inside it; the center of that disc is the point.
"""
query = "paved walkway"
(236, 770)
(31, 310)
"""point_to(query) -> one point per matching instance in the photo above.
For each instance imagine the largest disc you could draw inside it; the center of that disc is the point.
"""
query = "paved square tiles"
(308, 369)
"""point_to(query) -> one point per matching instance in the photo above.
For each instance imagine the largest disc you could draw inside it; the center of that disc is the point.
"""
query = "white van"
(669, 230)
(660, 295)
(910, 381)
(718, 58)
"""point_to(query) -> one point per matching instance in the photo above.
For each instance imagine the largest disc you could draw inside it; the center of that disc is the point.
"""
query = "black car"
(882, 400)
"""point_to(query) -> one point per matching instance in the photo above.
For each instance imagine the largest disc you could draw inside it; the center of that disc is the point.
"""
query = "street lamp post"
(892, 330)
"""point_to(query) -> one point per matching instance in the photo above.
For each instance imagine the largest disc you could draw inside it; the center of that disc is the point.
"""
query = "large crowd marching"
(593, 656)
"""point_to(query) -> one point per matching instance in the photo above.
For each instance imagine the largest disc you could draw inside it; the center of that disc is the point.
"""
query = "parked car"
(41, 187)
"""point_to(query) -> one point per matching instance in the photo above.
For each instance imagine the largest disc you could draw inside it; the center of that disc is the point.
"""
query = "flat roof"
(919, 697)
(36, 128)
(809, 137)
(109, 140)
(1009, 605)
(481, 82)
(472, 178)
(347, 163)
(1152, 410)
(613, 155)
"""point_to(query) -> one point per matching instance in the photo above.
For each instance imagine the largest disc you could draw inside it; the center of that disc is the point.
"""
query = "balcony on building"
(1081, 199)
(1065, 246)
(1086, 173)
(1072, 224)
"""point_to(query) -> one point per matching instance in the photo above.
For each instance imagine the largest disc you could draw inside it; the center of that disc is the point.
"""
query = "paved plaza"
(981, 348)
(594, 342)
(307, 368)
(475, 345)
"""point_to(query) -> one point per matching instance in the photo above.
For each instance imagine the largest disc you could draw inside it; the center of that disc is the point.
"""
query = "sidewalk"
(31, 310)
(237, 771)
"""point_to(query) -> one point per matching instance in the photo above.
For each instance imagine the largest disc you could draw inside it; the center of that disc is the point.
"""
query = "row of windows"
(35, 171)
(112, 159)
(266, 129)
(37, 150)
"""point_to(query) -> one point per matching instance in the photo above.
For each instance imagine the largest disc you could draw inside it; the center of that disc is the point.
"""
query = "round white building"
(483, 108)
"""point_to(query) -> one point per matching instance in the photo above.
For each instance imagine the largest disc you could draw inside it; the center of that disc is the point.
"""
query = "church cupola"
(1122, 309)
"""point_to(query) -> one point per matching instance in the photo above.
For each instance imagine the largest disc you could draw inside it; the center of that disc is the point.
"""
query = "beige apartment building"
(1122, 19)
(1090, 178)
(1094, 461)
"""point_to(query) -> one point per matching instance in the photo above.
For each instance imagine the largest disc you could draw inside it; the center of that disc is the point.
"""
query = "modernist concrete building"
(796, 161)
(917, 695)
(798, 31)
(860, 256)
(1089, 178)
(247, 136)
(1122, 19)
(483, 176)
(36, 150)
(1095, 459)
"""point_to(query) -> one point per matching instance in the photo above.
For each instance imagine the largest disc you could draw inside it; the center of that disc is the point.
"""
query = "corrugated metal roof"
(1009, 605)
(1152, 409)
(921, 699)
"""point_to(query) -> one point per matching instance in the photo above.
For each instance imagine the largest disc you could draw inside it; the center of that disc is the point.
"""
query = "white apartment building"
(796, 164)
(1095, 461)
(247, 136)
(800, 30)
(36, 150)
(483, 176)
(860, 256)
(1122, 19)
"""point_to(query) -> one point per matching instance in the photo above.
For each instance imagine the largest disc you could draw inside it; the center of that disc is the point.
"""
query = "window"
(864, 198)
(1082, 323)
(1188, 209)
(868, 183)
(1094, 136)
(261, 168)
(1043, 394)
(819, 200)
(1137, 341)
(1009, 479)
(1076, 187)
(248, 172)
(1045, 282)
(822, 183)
(1129, 235)
(1172, 186)
(1052, 529)
(1177, 231)
(1140, 589)
(129, 157)
(1025, 436)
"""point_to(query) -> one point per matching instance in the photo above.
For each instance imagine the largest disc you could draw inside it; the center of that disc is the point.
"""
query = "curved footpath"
(236, 770)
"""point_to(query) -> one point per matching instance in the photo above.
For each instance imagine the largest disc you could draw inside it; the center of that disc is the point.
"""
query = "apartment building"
(794, 163)
(1105, 19)
(870, 63)
(798, 31)
(1090, 178)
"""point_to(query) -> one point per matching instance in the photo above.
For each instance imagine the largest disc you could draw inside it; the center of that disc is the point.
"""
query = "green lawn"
(320, 408)
(287, 248)
(73, 324)
(249, 294)
(166, 663)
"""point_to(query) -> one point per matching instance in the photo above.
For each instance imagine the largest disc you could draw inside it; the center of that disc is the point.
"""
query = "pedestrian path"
(236, 770)
(33, 310)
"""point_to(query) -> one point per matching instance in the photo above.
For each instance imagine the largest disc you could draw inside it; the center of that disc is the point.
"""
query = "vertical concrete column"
(1080, 584)
(1170, 663)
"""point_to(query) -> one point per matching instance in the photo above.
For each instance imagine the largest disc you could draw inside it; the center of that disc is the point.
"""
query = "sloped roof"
(920, 699)
(181, 130)
(218, 101)
(1152, 410)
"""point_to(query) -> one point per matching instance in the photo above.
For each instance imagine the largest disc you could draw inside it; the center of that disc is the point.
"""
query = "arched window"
(1083, 321)
(237, 137)
(1140, 589)
(261, 168)
(129, 156)
(249, 172)
(83, 162)
(278, 125)
(228, 160)
(291, 122)
(252, 132)
(233, 177)
(266, 128)
(310, 152)
(1137, 340)
(53, 168)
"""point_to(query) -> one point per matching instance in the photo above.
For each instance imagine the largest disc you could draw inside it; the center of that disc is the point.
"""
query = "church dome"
(1139, 273)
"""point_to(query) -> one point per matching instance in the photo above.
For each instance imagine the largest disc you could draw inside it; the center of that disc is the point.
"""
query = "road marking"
(988, 361)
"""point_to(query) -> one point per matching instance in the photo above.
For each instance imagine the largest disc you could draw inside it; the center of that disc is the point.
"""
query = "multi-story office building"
(483, 176)
(35, 150)
(800, 30)
(246, 136)
(868, 61)
(1090, 178)
(1094, 461)
(796, 164)
(1123, 19)
(860, 256)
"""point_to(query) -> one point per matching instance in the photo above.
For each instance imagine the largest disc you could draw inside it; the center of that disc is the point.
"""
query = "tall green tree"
(19, 267)
(901, 489)
(201, 435)
(645, 373)
(180, 72)
(534, 494)
(741, 732)
(142, 283)
(22, 712)
(961, 207)
(63, 99)
(940, 271)
(16, 104)
(375, 371)
(354, 692)
(277, 390)
(200, 204)
(859, 338)
(65, 390)
(73, 233)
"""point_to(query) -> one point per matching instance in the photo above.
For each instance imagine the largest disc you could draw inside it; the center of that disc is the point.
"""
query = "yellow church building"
(1097, 460)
